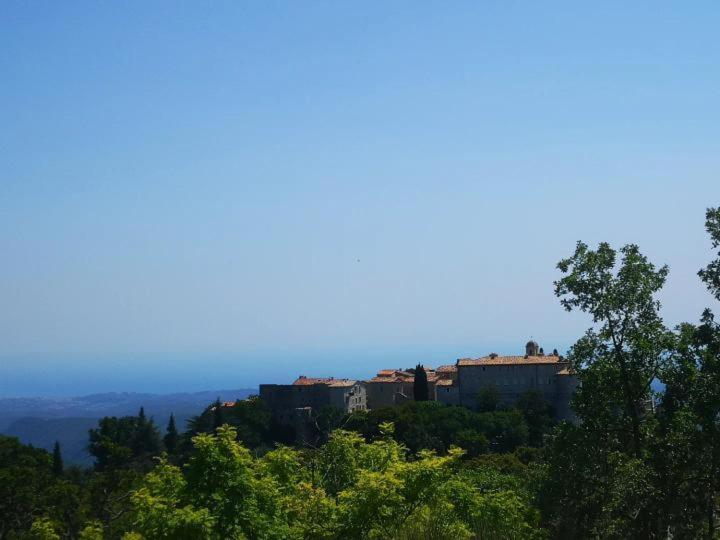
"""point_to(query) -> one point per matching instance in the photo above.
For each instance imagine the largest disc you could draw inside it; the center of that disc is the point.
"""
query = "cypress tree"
(171, 437)
(420, 385)
(57, 461)
(141, 415)
(217, 414)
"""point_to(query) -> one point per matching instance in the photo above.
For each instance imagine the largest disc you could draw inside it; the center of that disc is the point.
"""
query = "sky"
(202, 195)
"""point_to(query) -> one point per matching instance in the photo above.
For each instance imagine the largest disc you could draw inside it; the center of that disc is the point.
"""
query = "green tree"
(600, 479)
(688, 451)
(130, 441)
(488, 399)
(170, 440)
(710, 275)
(218, 414)
(420, 384)
(242, 502)
(57, 461)
(538, 414)
(624, 353)
(44, 529)
(29, 489)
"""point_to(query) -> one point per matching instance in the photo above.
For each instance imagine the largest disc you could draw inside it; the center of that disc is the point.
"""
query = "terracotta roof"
(445, 382)
(329, 381)
(405, 378)
(510, 360)
(448, 368)
(565, 371)
(393, 373)
(337, 383)
(396, 379)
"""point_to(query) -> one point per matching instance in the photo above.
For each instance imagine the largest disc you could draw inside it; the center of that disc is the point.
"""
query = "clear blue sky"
(213, 194)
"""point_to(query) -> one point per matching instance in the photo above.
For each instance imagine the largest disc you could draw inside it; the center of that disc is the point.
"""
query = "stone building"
(395, 386)
(512, 376)
(446, 387)
(456, 384)
(307, 395)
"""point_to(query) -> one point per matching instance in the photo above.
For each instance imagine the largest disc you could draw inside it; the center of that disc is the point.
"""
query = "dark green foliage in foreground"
(432, 425)
(29, 489)
(629, 470)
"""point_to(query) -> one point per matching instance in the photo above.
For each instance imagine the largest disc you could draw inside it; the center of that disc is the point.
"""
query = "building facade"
(511, 376)
(395, 386)
(307, 395)
(455, 384)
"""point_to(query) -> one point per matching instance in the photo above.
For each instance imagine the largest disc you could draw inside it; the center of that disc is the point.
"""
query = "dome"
(532, 348)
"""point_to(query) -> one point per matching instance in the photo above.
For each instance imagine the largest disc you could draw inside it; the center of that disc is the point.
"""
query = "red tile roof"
(510, 360)
(396, 379)
(329, 381)
(448, 368)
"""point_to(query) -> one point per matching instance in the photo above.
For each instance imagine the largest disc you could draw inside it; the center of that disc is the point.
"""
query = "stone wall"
(448, 394)
(513, 380)
(386, 394)
(283, 399)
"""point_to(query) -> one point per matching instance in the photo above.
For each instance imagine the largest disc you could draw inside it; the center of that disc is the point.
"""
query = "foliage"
(29, 491)
(170, 440)
(348, 488)
(538, 414)
(488, 399)
(420, 384)
(435, 426)
(57, 461)
(130, 441)
(252, 421)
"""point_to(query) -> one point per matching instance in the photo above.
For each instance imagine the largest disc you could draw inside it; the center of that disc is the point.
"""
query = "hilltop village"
(453, 384)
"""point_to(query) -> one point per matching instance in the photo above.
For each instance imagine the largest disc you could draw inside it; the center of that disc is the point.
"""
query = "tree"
(57, 463)
(600, 478)
(538, 415)
(130, 441)
(218, 416)
(420, 384)
(29, 491)
(710, 275)
(171, 436)
(689, 455)
(488, 399)
(624, 353)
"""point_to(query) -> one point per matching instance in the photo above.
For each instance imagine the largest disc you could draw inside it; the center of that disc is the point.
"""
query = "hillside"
(41, 421)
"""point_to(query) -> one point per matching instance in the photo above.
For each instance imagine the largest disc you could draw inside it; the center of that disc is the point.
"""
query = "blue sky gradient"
(218, 194)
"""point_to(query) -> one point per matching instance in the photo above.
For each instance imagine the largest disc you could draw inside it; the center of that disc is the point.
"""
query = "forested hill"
(43, 420)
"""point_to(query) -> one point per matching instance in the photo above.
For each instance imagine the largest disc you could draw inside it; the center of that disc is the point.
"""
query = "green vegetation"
(420, 384)
(638, 463)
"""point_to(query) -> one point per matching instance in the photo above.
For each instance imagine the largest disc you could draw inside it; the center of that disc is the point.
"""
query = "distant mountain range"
(41, 421)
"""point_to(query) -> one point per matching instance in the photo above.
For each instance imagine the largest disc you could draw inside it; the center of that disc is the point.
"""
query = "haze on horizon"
(214, 195)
